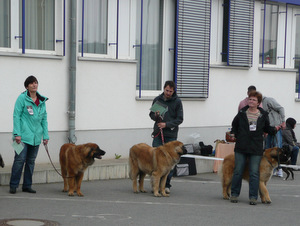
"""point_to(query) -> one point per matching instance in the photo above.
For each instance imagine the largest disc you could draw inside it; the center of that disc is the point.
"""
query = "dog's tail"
(1, 161)
(130, 164)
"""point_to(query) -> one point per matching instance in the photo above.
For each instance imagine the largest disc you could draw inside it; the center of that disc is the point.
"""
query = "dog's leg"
(264, 193)
(133, 174)
(155, 183)
(71, 182)
(226, 183)
(141, 182)
(64, 175)
(79, 178)
(286, 170)
(292, 173)
(163, 185)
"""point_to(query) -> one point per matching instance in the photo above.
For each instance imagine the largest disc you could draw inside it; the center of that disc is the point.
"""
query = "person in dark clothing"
(248, 127)
(289, 138)
(165, 128)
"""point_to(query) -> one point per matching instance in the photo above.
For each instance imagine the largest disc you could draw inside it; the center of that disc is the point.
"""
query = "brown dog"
(268, 162)
(157, 162)
(74, 159)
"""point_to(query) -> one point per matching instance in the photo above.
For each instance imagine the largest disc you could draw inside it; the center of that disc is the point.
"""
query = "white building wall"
(107, 111)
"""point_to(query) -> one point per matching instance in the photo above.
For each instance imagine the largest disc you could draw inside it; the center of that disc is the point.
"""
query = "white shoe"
(279, 173)
(167, 190)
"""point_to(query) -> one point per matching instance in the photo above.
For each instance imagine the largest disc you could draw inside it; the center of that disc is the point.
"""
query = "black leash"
(46, 147)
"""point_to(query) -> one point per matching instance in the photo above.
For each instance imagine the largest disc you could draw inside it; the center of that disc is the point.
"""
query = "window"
(297, 50)
(39, 24)
(278, 34)
(193, 48)
(5, 24)
(149, 34)
(269, 33)
(172, 43)
(34, 26)
(93, 25)
(232, 32)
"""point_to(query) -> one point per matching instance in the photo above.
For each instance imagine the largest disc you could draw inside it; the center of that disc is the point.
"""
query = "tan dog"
(74, 159)
(268, 163)
(157, 162)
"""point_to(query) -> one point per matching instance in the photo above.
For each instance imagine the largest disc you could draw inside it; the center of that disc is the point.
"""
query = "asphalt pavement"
(194, 200)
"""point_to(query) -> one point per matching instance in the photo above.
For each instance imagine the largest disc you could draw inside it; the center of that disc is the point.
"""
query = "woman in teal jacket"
(30, 127)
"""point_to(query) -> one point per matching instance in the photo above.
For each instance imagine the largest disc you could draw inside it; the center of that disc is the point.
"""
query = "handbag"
(230, 137)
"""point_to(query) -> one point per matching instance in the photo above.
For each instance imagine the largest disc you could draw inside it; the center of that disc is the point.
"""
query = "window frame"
(168, 48)
(59, 32)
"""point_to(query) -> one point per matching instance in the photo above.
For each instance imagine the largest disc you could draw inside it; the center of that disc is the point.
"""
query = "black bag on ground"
(186, 166)
(206, 150)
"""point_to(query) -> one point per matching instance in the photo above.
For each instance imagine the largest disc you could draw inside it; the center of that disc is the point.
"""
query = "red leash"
(162, 136)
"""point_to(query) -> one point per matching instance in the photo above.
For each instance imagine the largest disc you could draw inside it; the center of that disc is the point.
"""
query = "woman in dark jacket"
(248, 126)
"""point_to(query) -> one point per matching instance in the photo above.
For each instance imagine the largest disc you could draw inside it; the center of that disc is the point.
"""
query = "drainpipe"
(72, 72)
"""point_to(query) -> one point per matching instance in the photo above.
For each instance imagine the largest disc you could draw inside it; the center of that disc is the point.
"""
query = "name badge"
(30, 110)
(252, 126)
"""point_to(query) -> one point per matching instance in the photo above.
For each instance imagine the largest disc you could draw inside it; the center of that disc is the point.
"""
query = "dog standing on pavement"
(268, 163)
(74, 160)
(157, 162)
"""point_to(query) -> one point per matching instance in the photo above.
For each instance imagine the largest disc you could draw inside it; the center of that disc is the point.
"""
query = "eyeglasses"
(253, 99)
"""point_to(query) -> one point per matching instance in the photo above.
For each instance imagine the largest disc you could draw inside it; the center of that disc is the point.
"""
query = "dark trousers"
(157, 141)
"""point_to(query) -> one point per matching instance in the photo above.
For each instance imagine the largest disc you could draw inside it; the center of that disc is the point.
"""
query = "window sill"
(277, 69)
(30, 55)
(149, 98)
(220, 66)
(98, 59)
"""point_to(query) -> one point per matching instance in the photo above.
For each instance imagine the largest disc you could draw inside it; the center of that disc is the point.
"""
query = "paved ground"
(194, 200)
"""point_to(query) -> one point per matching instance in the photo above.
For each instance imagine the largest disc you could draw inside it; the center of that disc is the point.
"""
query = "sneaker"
(167, 190)
(253, 202)
(233, 199)
(275, 173)
(280, 173)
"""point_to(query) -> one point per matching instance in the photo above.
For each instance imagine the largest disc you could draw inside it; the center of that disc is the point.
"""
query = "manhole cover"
(27, 222)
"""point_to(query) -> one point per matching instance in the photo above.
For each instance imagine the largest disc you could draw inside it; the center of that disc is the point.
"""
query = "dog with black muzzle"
(74, 160)
(272, 157)
(155, 161)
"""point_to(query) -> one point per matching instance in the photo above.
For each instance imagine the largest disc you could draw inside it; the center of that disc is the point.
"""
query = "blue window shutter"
(192, 48)
(240, 43)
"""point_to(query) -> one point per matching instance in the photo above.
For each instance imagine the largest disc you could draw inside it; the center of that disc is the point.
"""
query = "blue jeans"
(294, 155)
(27, 157)
(240, 163)
(157, 141)
(273, 140)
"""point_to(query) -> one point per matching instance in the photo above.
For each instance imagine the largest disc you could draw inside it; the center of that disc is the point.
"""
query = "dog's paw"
(71, 194)
(80, 194)
(157, 195)
(64, 190)
(165, 195)
(267, 202)
(143, 191)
